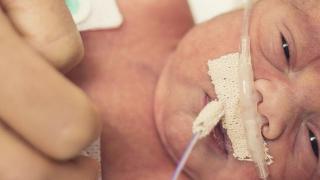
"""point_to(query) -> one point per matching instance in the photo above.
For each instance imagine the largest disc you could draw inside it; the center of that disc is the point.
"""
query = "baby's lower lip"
(219, 140)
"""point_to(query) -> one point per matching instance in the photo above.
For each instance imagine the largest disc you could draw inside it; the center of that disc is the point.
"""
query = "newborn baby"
(285, 38)
(122, 67)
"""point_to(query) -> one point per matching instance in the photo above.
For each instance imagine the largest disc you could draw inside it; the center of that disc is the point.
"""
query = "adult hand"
(44, 116)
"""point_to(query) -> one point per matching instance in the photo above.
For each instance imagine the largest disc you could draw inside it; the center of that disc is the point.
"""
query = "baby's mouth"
(221, 141)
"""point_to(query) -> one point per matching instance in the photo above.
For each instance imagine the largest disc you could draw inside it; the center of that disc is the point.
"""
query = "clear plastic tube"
(185, 156)
(248, 111)
(203, 124)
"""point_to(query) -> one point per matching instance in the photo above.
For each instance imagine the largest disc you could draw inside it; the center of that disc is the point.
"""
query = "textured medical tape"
(224, 75)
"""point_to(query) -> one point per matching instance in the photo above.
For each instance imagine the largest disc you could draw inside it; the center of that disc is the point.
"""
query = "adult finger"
(20, 161)
(39, 103)
(47, 25)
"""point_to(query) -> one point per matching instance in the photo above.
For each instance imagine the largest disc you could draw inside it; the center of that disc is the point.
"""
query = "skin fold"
(123, 66)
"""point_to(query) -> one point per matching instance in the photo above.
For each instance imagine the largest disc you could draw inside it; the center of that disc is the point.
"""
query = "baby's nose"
(276, 106)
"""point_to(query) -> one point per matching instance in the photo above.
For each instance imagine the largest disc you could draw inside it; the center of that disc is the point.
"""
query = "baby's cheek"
(307, 85)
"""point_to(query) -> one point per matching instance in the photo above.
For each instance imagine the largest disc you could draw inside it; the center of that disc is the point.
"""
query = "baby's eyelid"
(286, 48)
(287, 33)
(314, 143)
(316, 133)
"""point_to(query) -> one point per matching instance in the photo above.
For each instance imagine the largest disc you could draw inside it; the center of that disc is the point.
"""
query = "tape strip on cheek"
(224, 75)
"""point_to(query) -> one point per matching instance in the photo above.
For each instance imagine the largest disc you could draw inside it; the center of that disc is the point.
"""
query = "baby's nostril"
(272, 130)
(264, 129)
(264, 126)
(258, 97)
(264, 120)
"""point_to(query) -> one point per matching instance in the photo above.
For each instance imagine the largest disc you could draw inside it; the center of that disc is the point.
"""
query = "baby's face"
(285, 47)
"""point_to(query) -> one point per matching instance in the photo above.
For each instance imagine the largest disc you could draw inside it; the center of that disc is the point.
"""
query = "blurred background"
(203, 10)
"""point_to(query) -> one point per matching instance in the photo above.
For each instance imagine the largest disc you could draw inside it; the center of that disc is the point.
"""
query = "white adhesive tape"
(80, 9)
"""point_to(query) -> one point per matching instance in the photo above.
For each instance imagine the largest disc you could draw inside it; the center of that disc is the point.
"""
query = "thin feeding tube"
(185, 156)
(206, 120)
(249, 113)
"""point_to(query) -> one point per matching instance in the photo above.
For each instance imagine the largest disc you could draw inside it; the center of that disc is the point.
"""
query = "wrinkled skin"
(122, 67)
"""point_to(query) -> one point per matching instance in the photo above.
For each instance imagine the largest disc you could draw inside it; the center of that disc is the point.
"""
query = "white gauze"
(93, 151)
(207, 119)
(224, 75)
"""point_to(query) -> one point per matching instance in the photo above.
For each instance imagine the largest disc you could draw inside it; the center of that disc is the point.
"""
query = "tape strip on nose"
(80, 9)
